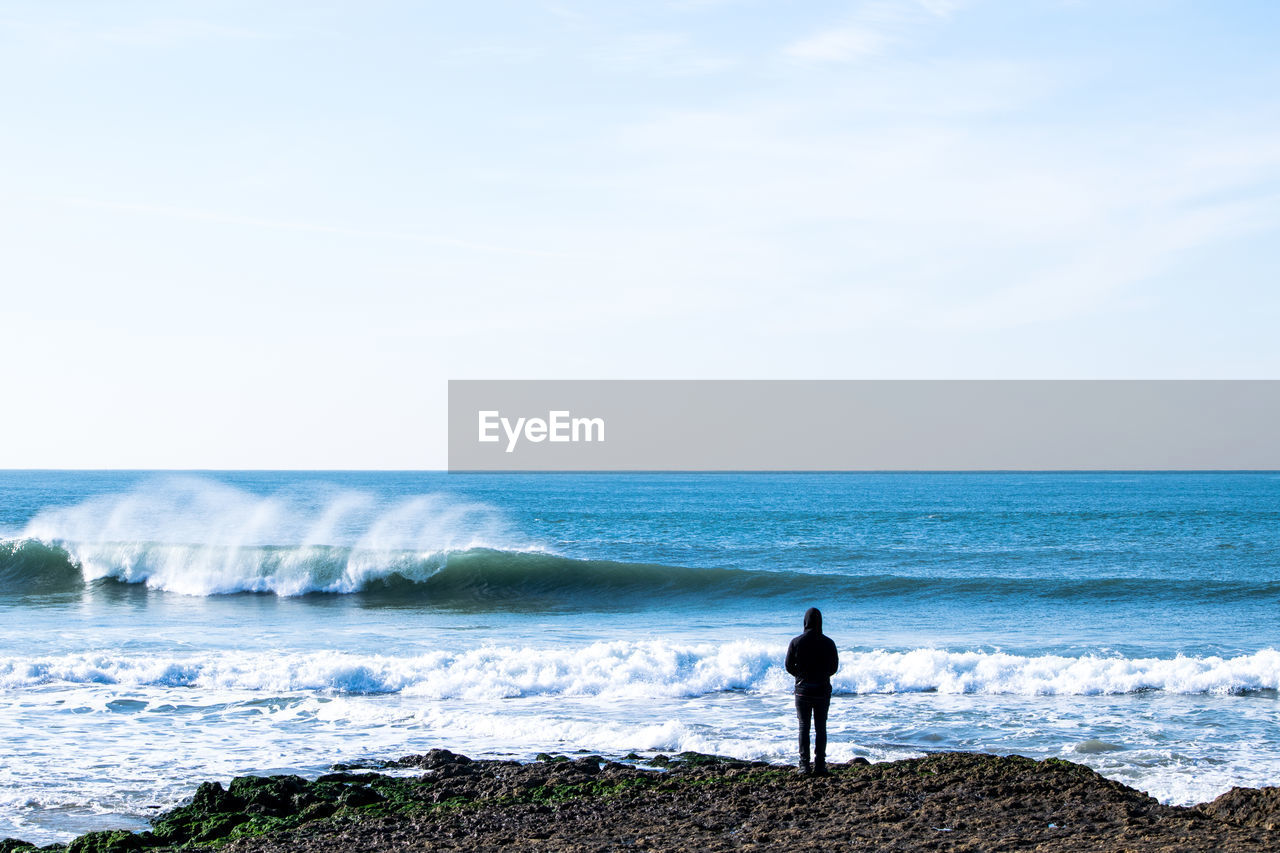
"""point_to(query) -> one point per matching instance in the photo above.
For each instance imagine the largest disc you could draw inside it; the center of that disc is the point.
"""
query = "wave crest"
(458, 577)
(198, 537)
(32, 566)
(512, 576)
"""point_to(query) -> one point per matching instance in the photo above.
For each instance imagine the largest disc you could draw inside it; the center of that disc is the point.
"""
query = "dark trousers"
(815, 707)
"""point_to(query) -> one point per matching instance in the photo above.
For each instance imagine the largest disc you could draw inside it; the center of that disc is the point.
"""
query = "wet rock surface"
(1258, 807)
(952, 801)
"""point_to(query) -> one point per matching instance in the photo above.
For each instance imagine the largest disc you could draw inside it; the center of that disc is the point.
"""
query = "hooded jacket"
(812, 658)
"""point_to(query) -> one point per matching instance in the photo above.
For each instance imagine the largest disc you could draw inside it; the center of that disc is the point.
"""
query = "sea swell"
(473, 574)
(198, 537)
(511, 576)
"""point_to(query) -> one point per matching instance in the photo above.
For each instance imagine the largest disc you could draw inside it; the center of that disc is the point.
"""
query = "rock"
(14, 845)
(946, 801)
(430, 760)
(702, 759)
(357, 796)
(1258, 807)
(112, 841)
(271, 795)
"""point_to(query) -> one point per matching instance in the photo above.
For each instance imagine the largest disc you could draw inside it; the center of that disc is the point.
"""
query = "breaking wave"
(648, 669)
(197, 537)
(473, 576)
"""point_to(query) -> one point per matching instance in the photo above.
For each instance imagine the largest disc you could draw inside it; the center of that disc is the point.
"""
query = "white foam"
(929, 670)
(645, 668)
(160, 725)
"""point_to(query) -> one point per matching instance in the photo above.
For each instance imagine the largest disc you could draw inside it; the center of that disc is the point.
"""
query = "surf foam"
(648, 669)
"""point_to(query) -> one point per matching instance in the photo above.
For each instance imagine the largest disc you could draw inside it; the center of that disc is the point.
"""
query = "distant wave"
(647, 669)
(474, 576)
(199, 537)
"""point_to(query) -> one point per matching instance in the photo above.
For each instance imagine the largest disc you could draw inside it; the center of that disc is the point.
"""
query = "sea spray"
(198, 537)
(199, 511)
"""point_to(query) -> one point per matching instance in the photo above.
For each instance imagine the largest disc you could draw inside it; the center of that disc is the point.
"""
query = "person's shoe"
(803, 769)
(820, 769)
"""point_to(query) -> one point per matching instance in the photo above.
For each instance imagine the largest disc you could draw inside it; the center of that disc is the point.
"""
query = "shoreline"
(447, 801)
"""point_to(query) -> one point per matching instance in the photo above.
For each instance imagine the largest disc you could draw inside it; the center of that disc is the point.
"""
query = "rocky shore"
(950, 801)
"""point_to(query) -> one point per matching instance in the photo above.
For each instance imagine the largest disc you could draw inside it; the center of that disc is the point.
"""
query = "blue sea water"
(157, 630)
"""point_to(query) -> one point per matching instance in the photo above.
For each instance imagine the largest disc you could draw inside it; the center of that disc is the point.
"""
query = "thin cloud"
(63, 33)
(168, 33)
(662, 54)
(844, 44)
(872, 30)
(307, 227)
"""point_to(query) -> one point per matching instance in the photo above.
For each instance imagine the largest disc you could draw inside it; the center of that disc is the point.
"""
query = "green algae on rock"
(954, 801)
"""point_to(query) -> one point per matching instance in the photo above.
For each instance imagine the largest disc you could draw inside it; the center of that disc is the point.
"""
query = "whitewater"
(159, 630)
(650, 669)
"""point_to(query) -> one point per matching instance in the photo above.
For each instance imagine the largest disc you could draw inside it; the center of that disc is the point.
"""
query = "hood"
(813, 620)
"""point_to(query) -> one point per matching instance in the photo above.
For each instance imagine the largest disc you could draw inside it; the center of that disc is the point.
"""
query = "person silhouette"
(812, 659)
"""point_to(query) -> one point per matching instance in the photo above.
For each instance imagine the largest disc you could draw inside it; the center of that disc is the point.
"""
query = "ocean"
(162, 629)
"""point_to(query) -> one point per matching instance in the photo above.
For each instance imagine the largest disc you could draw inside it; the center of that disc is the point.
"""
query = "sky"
(265, 235)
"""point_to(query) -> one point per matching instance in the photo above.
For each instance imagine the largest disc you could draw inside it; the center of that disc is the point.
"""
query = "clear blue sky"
(246, 234)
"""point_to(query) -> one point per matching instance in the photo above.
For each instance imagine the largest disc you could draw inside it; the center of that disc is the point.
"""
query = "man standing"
(812, 659)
